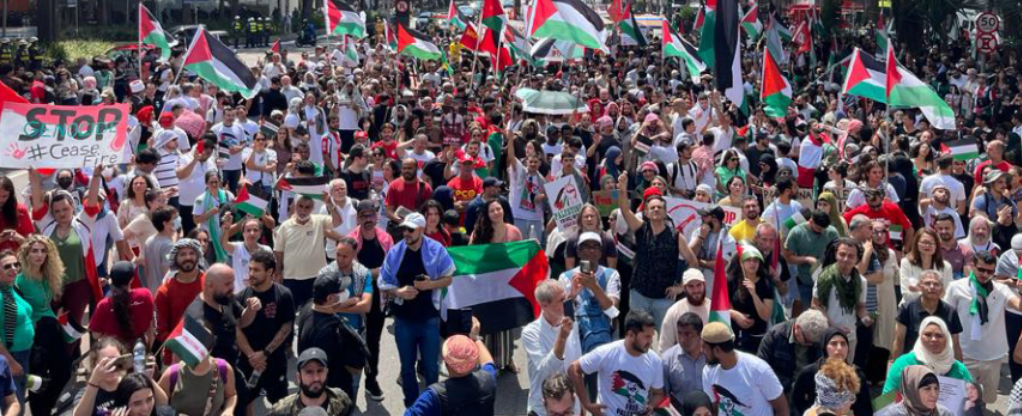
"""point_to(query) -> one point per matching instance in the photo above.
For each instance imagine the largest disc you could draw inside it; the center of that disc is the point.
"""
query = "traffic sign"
(987, 22)
(986, 43)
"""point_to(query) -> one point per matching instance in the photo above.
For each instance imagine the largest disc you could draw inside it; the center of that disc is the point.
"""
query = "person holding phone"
(551, 342)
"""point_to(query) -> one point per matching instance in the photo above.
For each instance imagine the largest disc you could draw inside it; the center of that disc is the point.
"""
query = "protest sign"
(48, 136)
(566, 202)
(606, 201)
(683, 214)
(952, 394)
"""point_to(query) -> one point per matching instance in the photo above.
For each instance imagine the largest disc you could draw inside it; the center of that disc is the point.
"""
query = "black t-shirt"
(754, 154)
(322, 330)
(222, 324)
(359, 183)
(421, 308)
(745, 304)
(911, 315)
(105, 401)
(371, 253)
(434, 171)
(278, 310)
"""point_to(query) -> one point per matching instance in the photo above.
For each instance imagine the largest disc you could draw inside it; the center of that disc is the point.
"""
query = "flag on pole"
(456, 17)
(350, 53)
(720, 300)
(751, 24)
(616, 12)
(706, 32)
(674, 45)
(775, 37)
(964, 149)
(215, 62)
(776, 90)
(275, 48)
(416, 44)
(342, 19)
(250, 203)
(150, 32)
(389, 35)
(189, 340)
(866, 77)
(631, 33)
(499, 277)
(869, 78)
(700, 19)
(569, 20)
(727, 49)
(493, 16)
(803, 38)
(470, 38)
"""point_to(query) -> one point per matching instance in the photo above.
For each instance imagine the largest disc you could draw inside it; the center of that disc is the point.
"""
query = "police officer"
(259, 31)
(35, 54)
(267, 30)
(6, 52)
(239, 29)
(250, 36)
(21, 55)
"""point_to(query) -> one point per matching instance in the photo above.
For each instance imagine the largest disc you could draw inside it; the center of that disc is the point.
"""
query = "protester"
(935, 350)
(739, 382)
(103, 375)
(320, 326)
(695, 301)
(836, 386)
(313, 392)
(911, 316)
(261, 340)
(684, 362)
(793, 345)
(471, 387)
(551, 344)
(17, 331)
(920, 389)
(559, 396)
(808, 386)
(126, 314)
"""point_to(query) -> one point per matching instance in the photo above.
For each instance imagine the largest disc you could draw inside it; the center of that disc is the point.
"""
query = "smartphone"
(569, 308)
(465, 323)
(421, 277)
(125, 362)
(585, 267)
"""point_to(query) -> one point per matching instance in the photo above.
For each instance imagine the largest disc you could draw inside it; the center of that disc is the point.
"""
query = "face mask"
(177, 224)
(64, 182)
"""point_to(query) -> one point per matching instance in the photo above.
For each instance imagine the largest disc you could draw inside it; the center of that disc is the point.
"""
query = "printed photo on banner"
(48, 136)
(566, 202)
(685, 218)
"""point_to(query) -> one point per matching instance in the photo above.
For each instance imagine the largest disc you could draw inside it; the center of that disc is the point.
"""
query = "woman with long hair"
(126, 313)
(15, 223)
(752, 298)
(923, 255)
(134, 203)
(16, 330)
(138, 395)
(103, 373)
(589, 221)
(490, 228)
(735, 193)
(434, 214)
(41, 283)
(207, 210)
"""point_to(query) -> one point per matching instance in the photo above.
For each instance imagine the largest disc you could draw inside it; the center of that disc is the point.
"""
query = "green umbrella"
(550, 102)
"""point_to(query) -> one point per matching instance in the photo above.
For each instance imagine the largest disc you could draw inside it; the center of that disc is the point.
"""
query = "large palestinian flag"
(727, 48)
(188, 341)
(150, 32)
(674, 45)
(867, 78)
(416, 44)
(498, 282)
(570, 20)
(776, 90)
(631, 34)
(342, 19)
(215, 62)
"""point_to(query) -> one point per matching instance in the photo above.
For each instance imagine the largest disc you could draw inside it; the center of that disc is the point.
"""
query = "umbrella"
(550, 102)
(192, 123)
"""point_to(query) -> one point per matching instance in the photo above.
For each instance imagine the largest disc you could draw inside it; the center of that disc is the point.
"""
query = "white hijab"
(939, 363)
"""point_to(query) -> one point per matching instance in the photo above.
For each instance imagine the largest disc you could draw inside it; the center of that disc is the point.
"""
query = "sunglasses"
(984, 270)
(10, 266)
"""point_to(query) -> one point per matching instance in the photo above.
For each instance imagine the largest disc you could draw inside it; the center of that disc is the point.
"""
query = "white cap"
(414, 221)
(589, 236)
(692, 275)
(137, 86)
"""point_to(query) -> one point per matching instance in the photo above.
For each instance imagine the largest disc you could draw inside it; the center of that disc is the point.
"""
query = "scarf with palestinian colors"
(848, 291)
(979, 299)
(213, 223)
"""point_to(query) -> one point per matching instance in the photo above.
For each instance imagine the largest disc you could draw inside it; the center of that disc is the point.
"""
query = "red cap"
(166, 119)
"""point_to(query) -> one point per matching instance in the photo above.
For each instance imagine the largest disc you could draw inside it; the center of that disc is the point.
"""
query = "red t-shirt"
(388, 149)
(24, 227)
(888, 211)
(104, 321)
(1003, 166)
(465, 191)
(172, 298)
(408, 195)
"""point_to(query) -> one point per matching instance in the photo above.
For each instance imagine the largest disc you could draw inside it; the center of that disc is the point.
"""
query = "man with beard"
(739, 383)
(684, 362)
(694, 301)
(178, 292)
(957, 198)
(298, 246)
(876, 208)
(271, 328)
(745, 230)
(408, 191)
(952, 250)
(631, 377)
(939, 205)
(997, 194)
(312, 390)
(373, 243)
(320, 326)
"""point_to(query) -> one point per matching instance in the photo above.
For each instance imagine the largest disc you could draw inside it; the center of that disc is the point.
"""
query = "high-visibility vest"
(237, 25)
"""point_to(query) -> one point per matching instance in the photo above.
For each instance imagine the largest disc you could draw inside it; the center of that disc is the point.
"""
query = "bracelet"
(90, 384)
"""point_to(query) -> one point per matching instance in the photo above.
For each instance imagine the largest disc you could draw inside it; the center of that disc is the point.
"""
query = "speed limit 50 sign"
(987, 22)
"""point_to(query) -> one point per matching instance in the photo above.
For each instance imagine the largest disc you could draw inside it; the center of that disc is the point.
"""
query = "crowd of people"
(867, 258)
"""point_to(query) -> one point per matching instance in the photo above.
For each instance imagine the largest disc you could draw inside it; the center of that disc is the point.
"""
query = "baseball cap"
(414, 221)
(461, 354)
(366, 205)
(589, 236)
(717, 333)
(692, 275)
(713, 210)
(326, 284)
(491, 181)
(312, 354)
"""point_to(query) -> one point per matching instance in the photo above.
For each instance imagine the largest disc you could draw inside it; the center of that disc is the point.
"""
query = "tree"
(918, 21)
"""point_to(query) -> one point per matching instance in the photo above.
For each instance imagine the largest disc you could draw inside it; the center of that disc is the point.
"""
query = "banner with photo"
(565, 197)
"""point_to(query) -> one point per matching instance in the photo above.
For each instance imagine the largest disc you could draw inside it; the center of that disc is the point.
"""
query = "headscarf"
(835, 217)
(771, 161)
(608, 162)
(914, 378)
(181, 245)
(829, 334)
(939, 363)
(694, 400)
(829, 395)
(853, 126)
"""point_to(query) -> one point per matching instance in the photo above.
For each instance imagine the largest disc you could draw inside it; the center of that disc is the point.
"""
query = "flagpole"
(140, 7)
(475, 53)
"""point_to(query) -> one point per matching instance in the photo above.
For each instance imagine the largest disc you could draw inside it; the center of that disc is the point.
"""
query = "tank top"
(192, 391)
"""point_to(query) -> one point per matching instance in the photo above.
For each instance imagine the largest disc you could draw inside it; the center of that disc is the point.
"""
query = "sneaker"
(373, 390)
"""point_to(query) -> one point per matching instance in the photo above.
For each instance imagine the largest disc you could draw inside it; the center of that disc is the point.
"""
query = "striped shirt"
(166, 170)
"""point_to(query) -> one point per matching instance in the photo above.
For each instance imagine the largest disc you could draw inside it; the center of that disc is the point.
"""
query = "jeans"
(805, 293)
(656, 307)
(417, 339)
(232, 177)
(23, 358)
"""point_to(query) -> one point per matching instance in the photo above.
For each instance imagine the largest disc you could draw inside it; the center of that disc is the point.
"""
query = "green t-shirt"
(70, 250)
(24, 331)
(804, 242)
(37, 293)
(958, 371)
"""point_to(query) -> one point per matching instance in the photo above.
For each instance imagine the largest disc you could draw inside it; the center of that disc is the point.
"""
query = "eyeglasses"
(10, 266)
(983, 270)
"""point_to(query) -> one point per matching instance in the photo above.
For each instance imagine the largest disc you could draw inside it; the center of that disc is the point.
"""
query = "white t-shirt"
(195, 184)
(524, 188)
(957, 190)
(348, 222)
(722, 138)
(625, 381)
(745, 389)
(857, 198)
(262, 159)
(232, 135)
(239, 261)
(981, 342)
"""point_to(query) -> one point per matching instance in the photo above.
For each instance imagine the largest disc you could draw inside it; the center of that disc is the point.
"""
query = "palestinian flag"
(188, 341)
(631, 34)
(720, 300)
(313, 187)
(553, 50)
(498, 282)
(965, 149)
(895, 232)
(72, 330)
(751, 24)
(674, 45)
(418, 45)
(7, 95)
(275, 47)
(776, 90)
(570, 20)
(794, 220)
(866, 77)
(803, 38)
(893, 77)
(727, 48)
(389, 35)
(250, 203)
(706, 29)
(700, 19)
(350, 53)
(905, 90)
(342, 19)
(215, 62)
(493, 16)
(455, 17)
(517, 43)
(775, 37)
(150, 32)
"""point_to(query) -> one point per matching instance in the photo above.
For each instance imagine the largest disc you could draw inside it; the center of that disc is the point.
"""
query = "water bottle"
(138, 356)
(253, 380)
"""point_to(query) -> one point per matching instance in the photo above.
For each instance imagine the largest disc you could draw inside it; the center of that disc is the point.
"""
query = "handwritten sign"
(566, 202)
(606, 202)
(46, 136)
(683, 213)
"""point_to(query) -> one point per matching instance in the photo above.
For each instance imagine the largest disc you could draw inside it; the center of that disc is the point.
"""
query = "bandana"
(181, 245)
